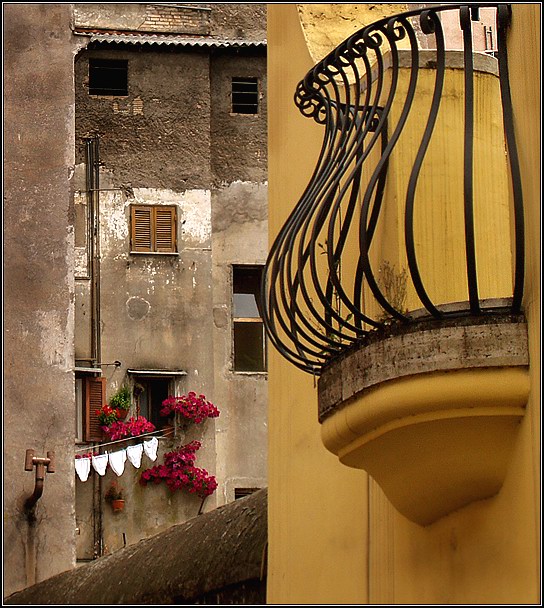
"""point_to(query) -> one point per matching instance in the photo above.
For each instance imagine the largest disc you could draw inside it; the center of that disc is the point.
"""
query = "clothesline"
(101, 445)
(116, 459)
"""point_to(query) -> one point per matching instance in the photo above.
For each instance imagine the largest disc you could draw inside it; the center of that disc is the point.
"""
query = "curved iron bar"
(313, 308)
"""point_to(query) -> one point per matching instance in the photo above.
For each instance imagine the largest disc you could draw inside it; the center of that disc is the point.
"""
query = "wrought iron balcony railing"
(415, 205)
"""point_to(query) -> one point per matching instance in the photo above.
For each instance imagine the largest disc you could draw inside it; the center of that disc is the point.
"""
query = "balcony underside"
(431, 413)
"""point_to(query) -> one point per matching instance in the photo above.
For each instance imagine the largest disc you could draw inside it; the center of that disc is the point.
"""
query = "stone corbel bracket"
(430, 410)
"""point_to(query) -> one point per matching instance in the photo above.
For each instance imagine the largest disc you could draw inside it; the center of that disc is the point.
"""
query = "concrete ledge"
(422, 347)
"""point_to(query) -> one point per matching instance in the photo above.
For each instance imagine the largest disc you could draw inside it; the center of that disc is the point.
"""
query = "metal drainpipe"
(93, 193)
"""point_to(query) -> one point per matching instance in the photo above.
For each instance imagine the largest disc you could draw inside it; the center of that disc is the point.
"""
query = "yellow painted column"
(317, 507)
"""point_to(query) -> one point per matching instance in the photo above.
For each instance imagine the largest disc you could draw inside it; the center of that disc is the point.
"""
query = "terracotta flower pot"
(117, 505)
(121, 414)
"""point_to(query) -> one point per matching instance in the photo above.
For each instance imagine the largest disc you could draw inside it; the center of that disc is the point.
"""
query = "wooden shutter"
(95, 397)
(153, 228)
(142, 228)
(165, 229)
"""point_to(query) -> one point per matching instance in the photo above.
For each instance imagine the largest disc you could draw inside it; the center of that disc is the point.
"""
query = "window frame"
(89, 398)
(247, 320)
(153, 229)
(115, 64)
(146, 382)
(236, 106)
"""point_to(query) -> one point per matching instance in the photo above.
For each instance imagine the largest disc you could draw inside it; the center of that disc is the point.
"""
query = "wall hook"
(41, 464)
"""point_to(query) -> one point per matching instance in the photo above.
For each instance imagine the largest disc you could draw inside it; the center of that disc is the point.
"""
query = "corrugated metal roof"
(170, 40)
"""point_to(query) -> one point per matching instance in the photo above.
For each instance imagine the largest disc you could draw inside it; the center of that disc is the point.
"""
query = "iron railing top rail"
(312, 310)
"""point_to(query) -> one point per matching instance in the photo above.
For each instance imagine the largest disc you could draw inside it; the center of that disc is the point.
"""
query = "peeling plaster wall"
(239, 236)
(325, 26)
(173, 141)
(38, 288)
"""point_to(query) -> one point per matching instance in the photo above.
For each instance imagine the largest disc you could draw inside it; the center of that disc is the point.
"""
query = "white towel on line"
(100, 463)
(83, 468)
(150, 447)
(134, 454)
(117, 461)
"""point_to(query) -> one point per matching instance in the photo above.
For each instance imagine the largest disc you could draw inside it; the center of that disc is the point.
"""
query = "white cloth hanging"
(117, 461)
(150, 447)
(134, 454)
(83, 468)
(100, 463)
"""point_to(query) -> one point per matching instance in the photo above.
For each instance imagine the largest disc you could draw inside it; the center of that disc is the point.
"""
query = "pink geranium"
(133, 428)
(191, 407)
(179, 472)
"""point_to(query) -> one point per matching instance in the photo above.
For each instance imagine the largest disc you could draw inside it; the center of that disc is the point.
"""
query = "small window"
(242, 492)
(249, 337)
(245, 96)
(153, 229)
(108, 77)
(150, 393)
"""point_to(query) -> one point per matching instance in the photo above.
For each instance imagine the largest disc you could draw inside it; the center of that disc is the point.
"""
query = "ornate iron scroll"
(312, 312)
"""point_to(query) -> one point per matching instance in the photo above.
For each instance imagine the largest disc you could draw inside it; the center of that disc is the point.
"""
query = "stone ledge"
(420, 348)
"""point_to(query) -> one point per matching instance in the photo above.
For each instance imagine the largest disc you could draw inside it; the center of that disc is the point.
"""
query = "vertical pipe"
(93, 193)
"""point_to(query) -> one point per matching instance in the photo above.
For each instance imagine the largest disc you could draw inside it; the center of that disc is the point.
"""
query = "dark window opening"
(245, 96)
(150, 393)
(241, 492)
(249, 336)
(108, 77)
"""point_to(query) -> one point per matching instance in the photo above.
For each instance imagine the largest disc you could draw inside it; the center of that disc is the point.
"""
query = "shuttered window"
(95, 397)
(153, 229)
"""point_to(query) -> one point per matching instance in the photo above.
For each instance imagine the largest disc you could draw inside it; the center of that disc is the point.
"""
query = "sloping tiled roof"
(169, 40)
(227, 544)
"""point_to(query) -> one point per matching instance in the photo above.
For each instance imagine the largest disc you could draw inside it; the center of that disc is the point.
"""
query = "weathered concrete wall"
(38, 288)
(239, 236)
(164, 117)
(239, 150)
(242, 20)
(158, 311)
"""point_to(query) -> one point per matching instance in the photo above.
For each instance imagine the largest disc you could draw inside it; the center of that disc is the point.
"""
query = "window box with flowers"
(134, 427)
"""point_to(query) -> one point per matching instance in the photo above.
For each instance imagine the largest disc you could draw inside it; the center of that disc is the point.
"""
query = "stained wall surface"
(38, 289)
(174, 140)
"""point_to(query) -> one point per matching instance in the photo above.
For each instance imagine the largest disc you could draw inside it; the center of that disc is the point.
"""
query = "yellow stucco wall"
(317, 514)
(333, 536)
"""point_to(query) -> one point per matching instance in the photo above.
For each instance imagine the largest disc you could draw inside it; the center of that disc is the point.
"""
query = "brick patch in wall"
(176, 20)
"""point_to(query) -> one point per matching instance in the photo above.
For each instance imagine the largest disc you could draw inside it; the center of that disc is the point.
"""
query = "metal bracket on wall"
(42, 465)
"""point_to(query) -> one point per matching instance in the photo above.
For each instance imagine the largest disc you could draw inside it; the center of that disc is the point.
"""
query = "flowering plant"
(106, 415)
(134, 427)
(191, 407)
(179, 472)
(114, 492)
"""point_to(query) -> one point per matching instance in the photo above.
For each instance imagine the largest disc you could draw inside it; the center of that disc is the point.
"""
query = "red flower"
(190, 406)
(179, 472)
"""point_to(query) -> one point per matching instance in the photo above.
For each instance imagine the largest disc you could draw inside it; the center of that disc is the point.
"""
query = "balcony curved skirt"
(436, 428)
